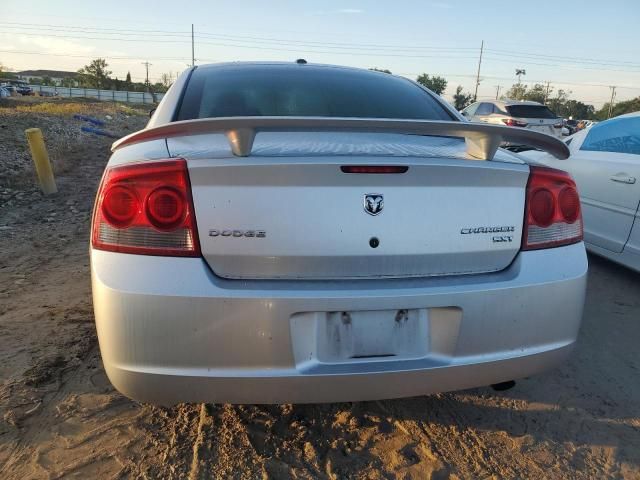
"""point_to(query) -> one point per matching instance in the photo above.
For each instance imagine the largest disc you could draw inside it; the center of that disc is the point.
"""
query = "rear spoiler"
(482, 139)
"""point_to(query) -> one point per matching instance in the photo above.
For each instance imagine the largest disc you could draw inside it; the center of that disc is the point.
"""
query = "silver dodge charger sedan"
(310, 233)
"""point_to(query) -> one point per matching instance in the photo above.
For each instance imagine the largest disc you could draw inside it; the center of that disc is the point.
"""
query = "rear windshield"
(304, 90)
(530, 111)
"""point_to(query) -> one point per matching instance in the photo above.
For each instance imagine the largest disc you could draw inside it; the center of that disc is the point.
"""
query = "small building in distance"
(49, 77)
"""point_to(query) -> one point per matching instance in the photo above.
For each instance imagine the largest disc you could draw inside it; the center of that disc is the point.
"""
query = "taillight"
(552, 211)
(557, 125)
(510, 122)
(146, 208)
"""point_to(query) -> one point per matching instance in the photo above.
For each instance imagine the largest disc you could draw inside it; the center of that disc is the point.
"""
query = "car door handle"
(623, 178)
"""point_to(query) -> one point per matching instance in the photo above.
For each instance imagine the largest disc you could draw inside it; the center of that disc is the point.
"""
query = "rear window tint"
(282, 90)
(530, 111)
(485, 109)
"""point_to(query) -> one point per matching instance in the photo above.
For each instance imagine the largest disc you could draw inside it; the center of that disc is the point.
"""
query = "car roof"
(289, 65)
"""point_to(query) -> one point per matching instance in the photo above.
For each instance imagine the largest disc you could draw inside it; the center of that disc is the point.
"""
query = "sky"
(579, 46)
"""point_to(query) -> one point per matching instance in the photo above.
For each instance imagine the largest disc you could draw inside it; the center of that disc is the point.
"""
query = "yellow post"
(41, 160)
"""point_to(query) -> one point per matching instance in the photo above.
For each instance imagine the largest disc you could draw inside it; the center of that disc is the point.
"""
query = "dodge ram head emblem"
(373, 203)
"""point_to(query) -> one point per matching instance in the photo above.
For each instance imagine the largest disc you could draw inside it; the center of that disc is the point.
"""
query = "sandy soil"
(60, 417)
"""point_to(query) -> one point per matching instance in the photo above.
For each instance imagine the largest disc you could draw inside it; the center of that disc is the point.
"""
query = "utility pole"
(498, 87)
(475, 95)
(546, 95)
(147, 65)
(193, 48)
(613, 96)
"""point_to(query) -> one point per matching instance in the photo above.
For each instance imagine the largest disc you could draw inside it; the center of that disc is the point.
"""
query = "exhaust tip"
(502, 386)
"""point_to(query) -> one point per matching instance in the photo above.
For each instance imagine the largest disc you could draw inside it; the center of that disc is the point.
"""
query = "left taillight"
(146, 209)
(510, 122)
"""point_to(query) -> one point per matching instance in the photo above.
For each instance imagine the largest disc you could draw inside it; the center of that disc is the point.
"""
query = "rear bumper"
(171, 331)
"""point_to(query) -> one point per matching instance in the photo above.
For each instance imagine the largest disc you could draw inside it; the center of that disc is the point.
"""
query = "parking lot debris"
(97, 131)
(86, 118)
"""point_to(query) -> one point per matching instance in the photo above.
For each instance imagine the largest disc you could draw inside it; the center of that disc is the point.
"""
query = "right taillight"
(552, 212)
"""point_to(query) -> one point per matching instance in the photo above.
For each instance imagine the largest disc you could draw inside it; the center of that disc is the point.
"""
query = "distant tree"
(46, 80)
(537, 93)
(96, 74)
(5, 72)
(68, 82)
(518, 91)
(166, 79)
(576, 109)
(158, 87)
(383, 70)
(434, 83)
(460, 99)
(619, 108)
(558, 103)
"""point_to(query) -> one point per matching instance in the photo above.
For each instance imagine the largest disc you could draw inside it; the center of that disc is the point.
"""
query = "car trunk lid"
(289, 211)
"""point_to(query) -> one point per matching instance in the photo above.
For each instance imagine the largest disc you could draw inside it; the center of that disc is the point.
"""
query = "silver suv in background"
(530, 115)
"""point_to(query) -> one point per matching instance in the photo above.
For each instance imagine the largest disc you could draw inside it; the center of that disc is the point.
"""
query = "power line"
(82, 37)
(360, 46)
(564, 66)
(311, 44)
(99, 31)
(413, 74)
(313, 49)
(302, 46)
(325, 44)
(232, 37)
(116, 57)
(511, 53)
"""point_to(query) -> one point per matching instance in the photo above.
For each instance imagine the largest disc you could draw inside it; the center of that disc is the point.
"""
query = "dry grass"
(70, 107)
(66, 143)
(51, 108)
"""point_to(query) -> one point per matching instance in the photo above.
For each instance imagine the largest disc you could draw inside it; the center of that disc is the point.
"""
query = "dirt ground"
(60, 417)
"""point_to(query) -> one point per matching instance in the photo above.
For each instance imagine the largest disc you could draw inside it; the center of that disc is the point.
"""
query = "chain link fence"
(107, 95)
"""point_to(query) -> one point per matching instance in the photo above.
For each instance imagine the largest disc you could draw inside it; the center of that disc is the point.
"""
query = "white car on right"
(605, 164)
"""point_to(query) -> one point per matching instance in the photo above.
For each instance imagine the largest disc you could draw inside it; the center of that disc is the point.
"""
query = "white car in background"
(605, 163)
(523, 114)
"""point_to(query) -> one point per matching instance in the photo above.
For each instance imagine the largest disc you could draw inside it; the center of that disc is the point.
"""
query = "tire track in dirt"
(86, 417)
